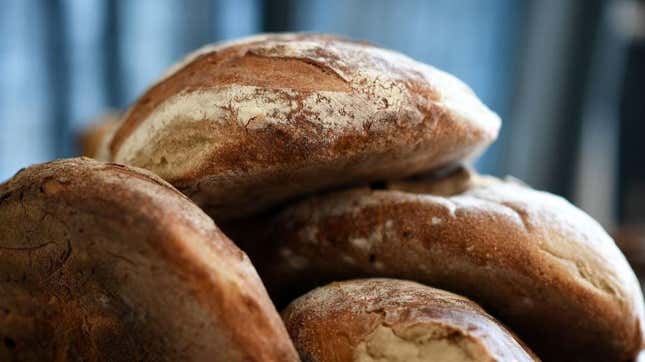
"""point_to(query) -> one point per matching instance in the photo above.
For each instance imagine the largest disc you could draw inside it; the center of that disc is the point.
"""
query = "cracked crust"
(531, 258)
(242, 126)
(388, 320)
(101, 261)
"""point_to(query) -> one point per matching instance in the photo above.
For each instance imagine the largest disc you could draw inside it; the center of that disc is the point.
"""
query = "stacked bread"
(342, 170)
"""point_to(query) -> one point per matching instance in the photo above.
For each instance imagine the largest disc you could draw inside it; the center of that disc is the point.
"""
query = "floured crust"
(532, 259)
(106, 262)
(244, 125)
(388, 320)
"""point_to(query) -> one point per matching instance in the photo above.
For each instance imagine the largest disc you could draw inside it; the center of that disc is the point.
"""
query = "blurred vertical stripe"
(84, 28)
(26, 101)
(237, 18)
(149, 41)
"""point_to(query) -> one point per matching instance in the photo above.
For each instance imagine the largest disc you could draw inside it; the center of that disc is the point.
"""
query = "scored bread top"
(370, 320)
(283, 106)
(363, 81)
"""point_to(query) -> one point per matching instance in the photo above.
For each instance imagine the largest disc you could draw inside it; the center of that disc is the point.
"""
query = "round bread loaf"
(243, 125)
(95, 139)
(102, 262)
(376, 320)
(530, 258)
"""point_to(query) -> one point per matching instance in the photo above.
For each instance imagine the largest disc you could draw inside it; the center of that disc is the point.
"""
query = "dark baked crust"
(106, 262)
(242, 126)
(530, 258)
(335, 323)
(631, 240)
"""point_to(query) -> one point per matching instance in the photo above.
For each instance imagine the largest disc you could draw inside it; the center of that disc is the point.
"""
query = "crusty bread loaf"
(244, 125)
(95, 139)
(388, 320)
(102, 262)
(530, 258)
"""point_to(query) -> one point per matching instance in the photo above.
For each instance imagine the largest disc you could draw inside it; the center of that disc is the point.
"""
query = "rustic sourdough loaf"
(102, 262)
(243, 125)
(530, 258)
(388, 320)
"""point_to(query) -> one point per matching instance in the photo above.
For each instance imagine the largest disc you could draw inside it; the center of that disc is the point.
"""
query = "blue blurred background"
(566, 76)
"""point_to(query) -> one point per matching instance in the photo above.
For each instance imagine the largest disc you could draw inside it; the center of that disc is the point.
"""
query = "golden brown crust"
(241, 127)
(336, 322)
(532, 259)
(101, 261)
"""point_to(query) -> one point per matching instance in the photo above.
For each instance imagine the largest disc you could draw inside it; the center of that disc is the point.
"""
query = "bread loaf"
(95, 139)
(378, 320)
(102, 262)
(241, 126)
(532, 259)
